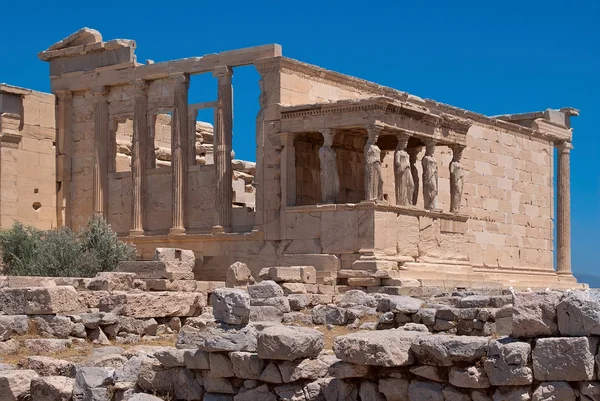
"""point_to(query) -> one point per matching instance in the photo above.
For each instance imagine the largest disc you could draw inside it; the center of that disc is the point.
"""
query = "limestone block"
(445, 350)
(304, 369)
(271, 374)
(394, 389)
(220, 365)
(238, 275)
(420, 390)
(265, 289)
(399, 304)
(261, 393)
(92, 383)
(553, 391)
(46, 366)
(158, 270)
(364, 281)
(183, 256)
(247, 365)
(281, 303)
(357, 297)
(112, 281)
(345, 370)
(16, 384)
(579, 314)
(506, 363)
(589, 391)
(534, 314)
(567, 358)
(470, 377)
(298, 301)
(52, 388)
(171, 358)
(329, 314)
(39, 346)
(221, 338)
(512, 394)
(231, 305)
(196, 359)
(430, 372)
(266, 314)
(338, 390)
(379, 348)
(153, 304)
(294, 288)
(289, 343)
(39, 300)
(290, 274)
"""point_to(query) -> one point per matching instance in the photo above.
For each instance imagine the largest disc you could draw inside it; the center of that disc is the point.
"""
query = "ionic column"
(192, 137)
(414, 171)
(179, 152)
(139, 150)
(63, 157)
(563, 218)
(373, 174)
(100, 171)
(330, 181)
(457, 179)
(430, 176)
(223, 145)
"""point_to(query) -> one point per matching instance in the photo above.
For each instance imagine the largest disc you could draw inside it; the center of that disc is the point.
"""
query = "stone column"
(405, 186)
(139, 151)
(330, 181)
(179, 152)
(288, 170)
(100, 170)
(150, 161)
(63, 157)
(563, 218)
(430, 176)
(413, 153)
(192, 137)
(457, 179)
(223, 145)
(373, 174)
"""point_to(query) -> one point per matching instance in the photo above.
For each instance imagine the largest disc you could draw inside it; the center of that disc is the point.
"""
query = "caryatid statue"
(457, 179)
(405, 186)
(413, 153)
(373, 173)
(430, 176)
(330, 182)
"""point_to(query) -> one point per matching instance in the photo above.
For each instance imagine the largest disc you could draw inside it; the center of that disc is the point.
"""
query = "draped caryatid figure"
(457, 179)
(330, 182)
(405, 185)
(430, 176)
(373, 173)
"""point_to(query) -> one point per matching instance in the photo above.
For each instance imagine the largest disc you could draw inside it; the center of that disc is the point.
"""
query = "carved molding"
(10, 141)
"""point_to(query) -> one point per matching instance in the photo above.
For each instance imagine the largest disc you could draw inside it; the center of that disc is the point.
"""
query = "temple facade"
(373, 186)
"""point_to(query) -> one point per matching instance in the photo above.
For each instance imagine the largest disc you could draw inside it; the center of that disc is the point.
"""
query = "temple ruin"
(372, 186)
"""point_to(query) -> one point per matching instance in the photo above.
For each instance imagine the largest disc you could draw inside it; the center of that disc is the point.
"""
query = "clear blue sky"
(490, 57)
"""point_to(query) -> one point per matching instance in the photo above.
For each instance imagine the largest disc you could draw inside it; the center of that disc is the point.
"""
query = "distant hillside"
(593, 281)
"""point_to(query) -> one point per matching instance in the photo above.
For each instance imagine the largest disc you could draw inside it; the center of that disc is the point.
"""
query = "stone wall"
(440, 346)
(27, 158)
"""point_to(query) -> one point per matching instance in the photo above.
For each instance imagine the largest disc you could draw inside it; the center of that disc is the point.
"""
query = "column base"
(177, 231)
(220, 229)
(136, 233)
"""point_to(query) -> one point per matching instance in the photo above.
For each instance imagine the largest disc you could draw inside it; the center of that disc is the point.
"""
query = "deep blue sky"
(490, 57)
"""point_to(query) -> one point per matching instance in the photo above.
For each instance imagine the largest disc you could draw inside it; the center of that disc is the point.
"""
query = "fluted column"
(179, 155)
(63, 157)
(100, 170)
(373, 173)
(139, 149)
(192, 137)
(563, 218)
(223, 146)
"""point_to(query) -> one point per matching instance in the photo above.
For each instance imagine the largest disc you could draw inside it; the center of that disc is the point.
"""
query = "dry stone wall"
(231, 344)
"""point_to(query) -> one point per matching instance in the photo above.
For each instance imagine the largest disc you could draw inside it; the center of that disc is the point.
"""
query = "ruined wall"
(508, 195)
(27, 159)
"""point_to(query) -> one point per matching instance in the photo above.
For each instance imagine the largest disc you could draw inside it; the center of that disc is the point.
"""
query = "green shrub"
(27, 251)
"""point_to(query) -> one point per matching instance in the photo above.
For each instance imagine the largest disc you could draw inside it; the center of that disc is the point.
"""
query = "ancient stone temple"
(372, 186)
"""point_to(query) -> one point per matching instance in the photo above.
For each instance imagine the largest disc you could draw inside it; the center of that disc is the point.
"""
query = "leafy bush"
(27, 251)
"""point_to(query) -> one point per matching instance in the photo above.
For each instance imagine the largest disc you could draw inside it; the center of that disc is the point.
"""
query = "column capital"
(64, 95)
(179, 77)
(374, 130)
(222, 71)
(429, 142)
(100, 92)
(564, 147)
(140, 86)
